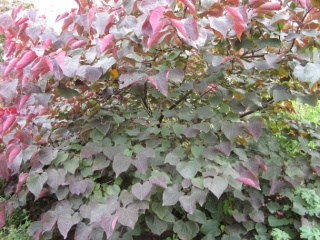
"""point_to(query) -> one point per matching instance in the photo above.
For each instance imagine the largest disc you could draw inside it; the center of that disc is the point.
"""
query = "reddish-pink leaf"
(41, 67)
(188, 28)
(11, 65)
(106, 42)
(61, 16)
(240, 19)
(8, 124)
(249, 182)
(6, 21)
(26, 59)
(190, 5)
(78, 44)
(11, 48)
(15, 11)
(114, 222)
(22, 180)
(13, 154)
(21, 20)
(160, 81)
(268, 6)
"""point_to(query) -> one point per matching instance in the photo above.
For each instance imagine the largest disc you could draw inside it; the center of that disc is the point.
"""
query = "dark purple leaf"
(249, 178)
(160, 81)
(276, 186)
(231, 130)
(257, 216)
(90, 149)
(254, 128)
(4, 171)
(78, 187)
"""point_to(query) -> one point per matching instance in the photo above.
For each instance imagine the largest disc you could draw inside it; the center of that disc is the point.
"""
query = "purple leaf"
(108, 223)
(141, 164)
(187, 169)
(121, 163)
(257, 216)
(105, 42)
(35, 182)
(66, 221)
(176, 75)
(254, 129)
(90, 73)
(224, 147)
(141, 191)
(100, 21)
(90, 149)
(8, 89)
(171, 195)
(160, 81)
(48, 220)
(128, 216)
(217, 185)
(83, 231)
(221, 25)
(71, 66)
(56, 177)
(78, 187)
(44, 155)
(188, 28)
(4, 171)
(188, 203)
(159, 181)
(276, 186)
(249, 178)
(6, 21)
(231, 130)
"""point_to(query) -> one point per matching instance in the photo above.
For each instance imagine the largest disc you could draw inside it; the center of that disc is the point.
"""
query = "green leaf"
(178, 128)
(231, 130)
(35, 182)
(68, 93)
(156, 225)
(217, 185)
(71, 165)
(277, 222)
(187, 169)
(268, 42)
(186, 230)
(205, 112)
(172, 159)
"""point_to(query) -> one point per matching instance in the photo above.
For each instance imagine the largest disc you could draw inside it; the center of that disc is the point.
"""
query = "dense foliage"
(146, 118)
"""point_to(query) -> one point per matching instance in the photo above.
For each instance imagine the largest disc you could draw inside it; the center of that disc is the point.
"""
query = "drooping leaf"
(191, 6)
(83, 231)
(240, 19)
(249, 178)
(108, 223)
(254, 128)
(66, 221)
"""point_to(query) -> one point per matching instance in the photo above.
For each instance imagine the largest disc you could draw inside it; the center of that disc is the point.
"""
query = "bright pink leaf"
(41, 67)
(15, 11)
(11, 65)
(8, 124)
(26, 59)
(160, 81)
(240, 19)
(13, 154)
(114, 222)
(11, 48)
(21, 20)
(248, 182)
(78, 44)
(61, 16)
(190, 5)
(188, 28)
(106, 42)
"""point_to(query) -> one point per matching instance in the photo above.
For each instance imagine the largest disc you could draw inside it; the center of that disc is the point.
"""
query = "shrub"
(145, 118)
